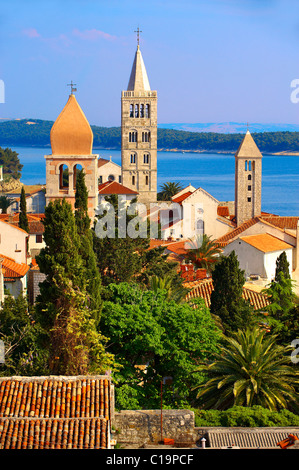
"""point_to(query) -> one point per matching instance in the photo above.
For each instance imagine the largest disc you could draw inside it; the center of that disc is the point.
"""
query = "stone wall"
(140, 427)
(34, 278)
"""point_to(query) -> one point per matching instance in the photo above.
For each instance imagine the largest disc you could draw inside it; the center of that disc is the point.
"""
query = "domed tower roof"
(71, 133)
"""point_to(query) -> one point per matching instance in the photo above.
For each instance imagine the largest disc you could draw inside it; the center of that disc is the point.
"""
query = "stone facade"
(139, 427)
(139, 134)
(248, 180)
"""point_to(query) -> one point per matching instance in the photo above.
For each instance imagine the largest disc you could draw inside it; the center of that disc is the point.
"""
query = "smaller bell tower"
(248, 180)
(71, 141)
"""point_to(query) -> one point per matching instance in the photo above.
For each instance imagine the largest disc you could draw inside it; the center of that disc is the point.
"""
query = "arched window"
(133, 180)
(246, 165)
(253, 166)
(133, 157)
(142, 110)
(146, 158)
(146, 180)
(133, 136)
(249, 165)
(63, 177)
(145, 136)
(131, 111)
(200, 227)
(147, 111)
(77, 169)
(136, 110)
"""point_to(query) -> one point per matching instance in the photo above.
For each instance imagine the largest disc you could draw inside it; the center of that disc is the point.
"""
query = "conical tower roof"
(71, 133)
(248, 148)
(138, 79)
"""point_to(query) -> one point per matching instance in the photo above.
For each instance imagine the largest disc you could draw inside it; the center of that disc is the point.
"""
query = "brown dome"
(71, 133)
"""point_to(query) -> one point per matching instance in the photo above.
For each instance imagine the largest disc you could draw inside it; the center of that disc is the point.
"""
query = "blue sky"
(209, 60)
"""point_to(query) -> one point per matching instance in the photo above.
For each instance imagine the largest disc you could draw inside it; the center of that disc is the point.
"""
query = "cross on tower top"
(138, 31)
(72, 87)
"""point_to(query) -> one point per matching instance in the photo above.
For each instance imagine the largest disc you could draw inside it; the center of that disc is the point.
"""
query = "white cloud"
(93, 35)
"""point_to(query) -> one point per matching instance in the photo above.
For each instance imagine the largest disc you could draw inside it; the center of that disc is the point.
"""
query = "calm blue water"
(212, 172)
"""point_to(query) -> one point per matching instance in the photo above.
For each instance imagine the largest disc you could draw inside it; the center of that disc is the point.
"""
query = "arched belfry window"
(136, 110)
(133, 158)
(142, 110)
(131, 111)
(246, 165)
(249, 165)
(133, 136)
(147, 111)
(77, 169)
(63, 177)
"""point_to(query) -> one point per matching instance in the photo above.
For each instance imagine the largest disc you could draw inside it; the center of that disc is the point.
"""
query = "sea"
(214, 172)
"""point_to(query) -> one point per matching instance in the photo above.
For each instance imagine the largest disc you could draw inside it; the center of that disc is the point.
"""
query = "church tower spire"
(248, 180)
(139, 133)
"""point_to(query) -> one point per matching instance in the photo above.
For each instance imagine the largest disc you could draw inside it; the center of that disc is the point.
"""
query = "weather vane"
(138, 31)
(72, 87)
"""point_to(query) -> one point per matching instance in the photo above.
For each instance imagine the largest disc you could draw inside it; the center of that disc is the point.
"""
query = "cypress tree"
(86, 249)
(227, 300)
(282, 265)
(63, 308)
(23, 219)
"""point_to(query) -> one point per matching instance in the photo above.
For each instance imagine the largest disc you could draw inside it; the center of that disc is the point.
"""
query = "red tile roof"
(112, 187)
(55, 412)
(55, 397)
(265, 242)
(102, 161)
(48, 433)
(223, 211)
(13, 270)
(181, 198)
(282, 222)
(204, 288)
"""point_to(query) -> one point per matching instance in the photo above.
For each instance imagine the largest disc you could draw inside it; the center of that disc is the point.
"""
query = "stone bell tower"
(139, 133)
(248, 180)
(71, 141)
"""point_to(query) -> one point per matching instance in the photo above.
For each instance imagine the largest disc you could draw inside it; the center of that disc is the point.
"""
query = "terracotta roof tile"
(181, 198)
(223, 211)
(265, 242)
(55, 397)
(282, 222)
(74, 433)
(112, 187)
(204, 289)
(13, 270)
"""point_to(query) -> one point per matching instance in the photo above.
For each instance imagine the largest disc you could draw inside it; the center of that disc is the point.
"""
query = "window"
(146, 158)
(63, 177)
(249, 199)
(142, 110)
(133, 158)
(249, 187)
(246, 165)
(39, 238)
(146, 180)
(133, 136)
(133, 180)
(249, 165)
(147, 111)
(119, 179)
(249, 177)
(100, 180)
(111, 178)
(145, 136)
(131, 111)
(136, 110)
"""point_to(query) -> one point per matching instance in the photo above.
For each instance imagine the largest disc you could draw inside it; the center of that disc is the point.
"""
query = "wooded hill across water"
(36, 133)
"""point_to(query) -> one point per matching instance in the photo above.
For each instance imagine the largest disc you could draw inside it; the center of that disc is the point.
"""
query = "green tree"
(24, 355)
(251, 369)
(63, 307)
(282, 265)
(168, 190)
(164, 337)
(86, 249)
(23, 219)
(281, 310)
(203, 252)
(227, 300)
(5, 203)
(11, 163)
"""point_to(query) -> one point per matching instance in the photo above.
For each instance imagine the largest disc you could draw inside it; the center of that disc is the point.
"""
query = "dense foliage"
(240, 416)
(19, 132)
(11, 163)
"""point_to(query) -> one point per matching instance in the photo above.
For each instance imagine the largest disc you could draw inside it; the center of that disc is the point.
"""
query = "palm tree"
(203, 252)
(5, 202)
(168, 190)
(173, 291)
(251, 370)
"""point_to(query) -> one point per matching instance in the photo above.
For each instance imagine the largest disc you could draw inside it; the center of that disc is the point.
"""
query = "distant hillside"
(230, 127)
(36, 133)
